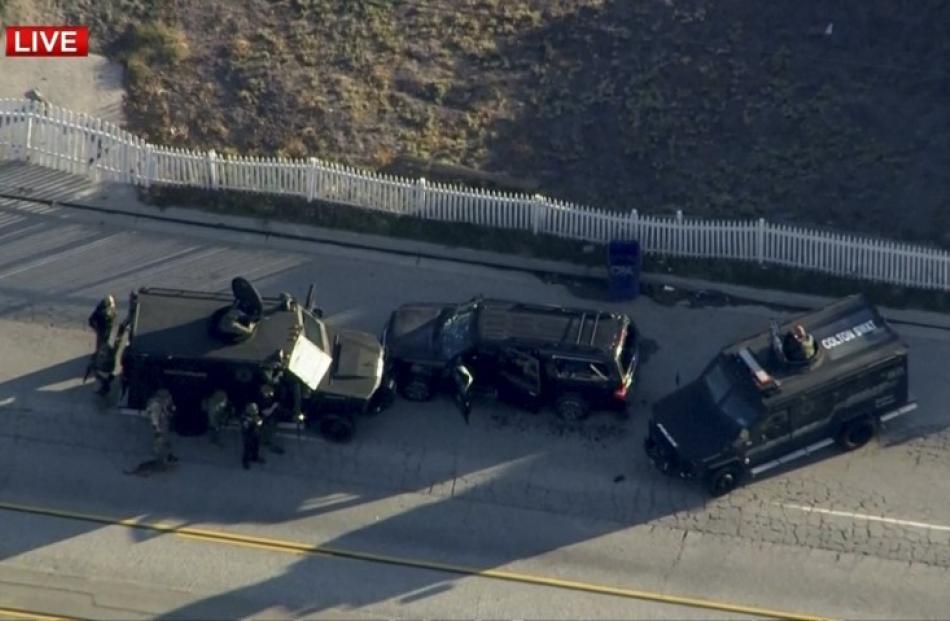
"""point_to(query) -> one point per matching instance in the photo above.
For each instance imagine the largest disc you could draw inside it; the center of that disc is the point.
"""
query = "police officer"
(218, 409)
(236, 323)
(105, 368)
(273, 372)
(101, 321)
(800, 345)
(160, 409)
(251, 423)
(268, 408)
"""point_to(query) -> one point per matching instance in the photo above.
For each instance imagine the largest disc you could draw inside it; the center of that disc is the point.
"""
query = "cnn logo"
(47, 41)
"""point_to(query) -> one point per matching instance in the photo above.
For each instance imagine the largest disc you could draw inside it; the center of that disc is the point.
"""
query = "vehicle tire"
(571, 408)
(382, 402)
(339, 429)
(723, 481)
(856, 433)
(416, 388)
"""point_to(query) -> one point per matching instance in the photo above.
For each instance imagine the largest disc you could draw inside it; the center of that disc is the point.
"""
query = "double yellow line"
(294, 547)
(19, 613)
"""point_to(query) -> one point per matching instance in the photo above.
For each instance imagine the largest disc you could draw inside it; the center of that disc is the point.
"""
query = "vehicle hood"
(688, 416)
(357, 365)
(410, 334)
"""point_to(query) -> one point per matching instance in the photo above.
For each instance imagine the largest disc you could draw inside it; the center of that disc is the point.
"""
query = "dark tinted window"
(717, 381)
(584, 370)
(457, 331)
(455, 335)
(739, 408)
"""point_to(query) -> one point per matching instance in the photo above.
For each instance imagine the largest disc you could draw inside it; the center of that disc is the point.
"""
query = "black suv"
(755, 408)
(532, 355)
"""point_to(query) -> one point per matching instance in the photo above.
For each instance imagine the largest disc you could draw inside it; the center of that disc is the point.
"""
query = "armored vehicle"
(575, 360)
(756, 406)
(194, 342)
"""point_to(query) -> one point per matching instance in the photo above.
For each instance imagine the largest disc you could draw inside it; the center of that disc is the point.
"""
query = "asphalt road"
(862, 535)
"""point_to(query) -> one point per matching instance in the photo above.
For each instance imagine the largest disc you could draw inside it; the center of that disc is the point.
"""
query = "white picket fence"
(77, 143)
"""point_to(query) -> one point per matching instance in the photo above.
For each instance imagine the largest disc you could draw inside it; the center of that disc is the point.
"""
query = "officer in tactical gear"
(218, 409)
(799, 345)
(286, 301)
(104, 364)
(273, 372)
(268, 408)
(251, 423)
(102, 319)
(160, 409)
(235, 322)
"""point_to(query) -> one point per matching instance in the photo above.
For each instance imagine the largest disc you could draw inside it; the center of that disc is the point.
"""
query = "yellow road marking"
(295, 547)
(18, 613)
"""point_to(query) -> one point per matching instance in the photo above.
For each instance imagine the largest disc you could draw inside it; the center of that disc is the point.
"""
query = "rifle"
(776, 340)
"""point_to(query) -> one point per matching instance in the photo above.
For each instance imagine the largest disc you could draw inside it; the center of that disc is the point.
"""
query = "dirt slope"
(823, 113)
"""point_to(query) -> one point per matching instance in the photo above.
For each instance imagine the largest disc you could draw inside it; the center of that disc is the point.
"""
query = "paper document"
(308, 362)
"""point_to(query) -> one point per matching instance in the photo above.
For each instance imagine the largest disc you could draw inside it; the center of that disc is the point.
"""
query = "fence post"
(419, 200)
(634, 228)
(760, 241)
(28, 138)
(679, 236)
(149, 166)
(537, 208)
(212, 170)
(312, 180)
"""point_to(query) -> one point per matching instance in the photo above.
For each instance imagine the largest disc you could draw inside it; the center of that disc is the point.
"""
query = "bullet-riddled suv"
(575, 360)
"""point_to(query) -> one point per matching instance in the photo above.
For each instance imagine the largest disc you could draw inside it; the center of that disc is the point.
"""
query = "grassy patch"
(518, 243)
(148, 48)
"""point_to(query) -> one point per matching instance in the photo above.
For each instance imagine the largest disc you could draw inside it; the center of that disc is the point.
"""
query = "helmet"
(267, 391)
(251, 409)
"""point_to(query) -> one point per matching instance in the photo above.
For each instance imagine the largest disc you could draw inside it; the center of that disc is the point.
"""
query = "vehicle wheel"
(416, 389)
(384, 399)
(571, 408)
(856, 434)
(337, 429)
(723, 481)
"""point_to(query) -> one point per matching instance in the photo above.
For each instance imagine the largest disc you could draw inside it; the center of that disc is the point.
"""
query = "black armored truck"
(575, 360)
(195, 342)
(766, 400)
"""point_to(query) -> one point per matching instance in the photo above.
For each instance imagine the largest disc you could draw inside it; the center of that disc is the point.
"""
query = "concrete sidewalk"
(116, 199)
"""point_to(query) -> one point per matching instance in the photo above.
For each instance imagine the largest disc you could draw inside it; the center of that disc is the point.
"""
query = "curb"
(129, 207)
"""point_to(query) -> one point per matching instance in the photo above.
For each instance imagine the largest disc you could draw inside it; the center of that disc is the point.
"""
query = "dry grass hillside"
(720, 108)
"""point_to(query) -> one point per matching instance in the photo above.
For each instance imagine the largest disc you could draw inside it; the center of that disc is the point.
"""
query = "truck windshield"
(717, 382)
(730, 398)
(314, 330)
(456, 331)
